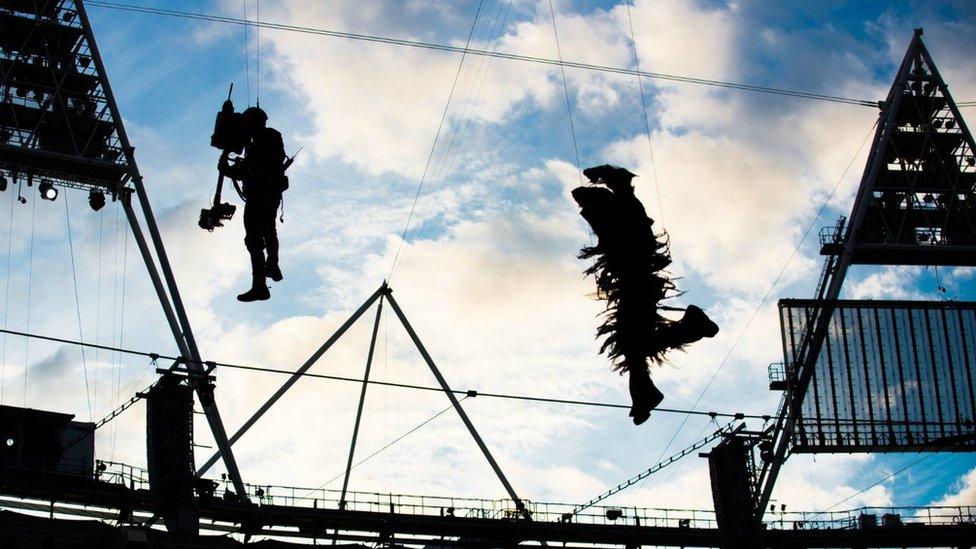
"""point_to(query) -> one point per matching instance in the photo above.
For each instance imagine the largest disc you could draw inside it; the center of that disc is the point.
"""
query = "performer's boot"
(693, 326)
(271, 269)
(273, 272)
(643, 394)
(258, 292)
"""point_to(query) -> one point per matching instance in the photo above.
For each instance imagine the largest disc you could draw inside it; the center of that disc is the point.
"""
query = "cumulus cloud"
(491, 283)
(962, 492)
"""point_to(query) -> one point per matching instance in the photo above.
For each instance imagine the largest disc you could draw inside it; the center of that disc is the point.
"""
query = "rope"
(647, 123)
(6, 300)
(501, 55)
(74, 278)
(569, 106)
(433, 146)
(547, 400)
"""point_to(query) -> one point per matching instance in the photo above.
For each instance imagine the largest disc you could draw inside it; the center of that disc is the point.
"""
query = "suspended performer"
(629, 268)
(262, 172)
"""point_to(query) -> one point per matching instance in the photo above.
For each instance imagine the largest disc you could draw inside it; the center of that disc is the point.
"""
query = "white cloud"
(888, 283)
(492, 287)
(962, 492)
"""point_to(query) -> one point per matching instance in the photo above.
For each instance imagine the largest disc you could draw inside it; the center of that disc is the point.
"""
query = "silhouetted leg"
(272, 270)
(254, 241)
(644, 395)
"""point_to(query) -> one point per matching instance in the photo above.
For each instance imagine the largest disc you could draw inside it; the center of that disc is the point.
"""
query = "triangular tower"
(917, 200)
(60, 127)
(916, 205)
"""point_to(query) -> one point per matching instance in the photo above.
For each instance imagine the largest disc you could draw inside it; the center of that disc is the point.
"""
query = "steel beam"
(457, 406)
(185, 338)
(362, 401)
(384, 289)
(157, 283)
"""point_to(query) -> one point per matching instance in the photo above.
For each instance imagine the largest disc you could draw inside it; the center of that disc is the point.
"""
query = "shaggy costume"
(629, 271)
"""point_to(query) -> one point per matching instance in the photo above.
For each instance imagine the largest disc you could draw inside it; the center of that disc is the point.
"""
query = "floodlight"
(47, 190)
(96, 199)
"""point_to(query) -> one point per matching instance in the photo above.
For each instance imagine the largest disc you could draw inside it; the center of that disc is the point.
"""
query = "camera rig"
(228, 136)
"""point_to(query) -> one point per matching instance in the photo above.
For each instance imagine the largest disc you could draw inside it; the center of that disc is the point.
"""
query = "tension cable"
(722, 431)
(469, 392)
(74, 279)
(500, 55)
(6, 300)
(569, 106)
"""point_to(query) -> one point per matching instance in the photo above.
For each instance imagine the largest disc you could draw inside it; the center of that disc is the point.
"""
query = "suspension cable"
(647, 123)
(457, 137)
(469, 392)
(391, 443)
(6, 300)
(772, 286)
(98, 310)
(501, 55)
(879, 481)
(257, 37)
(74, 279)
(121, 321)
(433, 146)
(30, 280)
(247, 56)
(569, 105)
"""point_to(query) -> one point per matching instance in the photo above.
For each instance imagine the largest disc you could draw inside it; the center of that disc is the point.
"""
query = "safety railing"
(505, 509)
(872, 517)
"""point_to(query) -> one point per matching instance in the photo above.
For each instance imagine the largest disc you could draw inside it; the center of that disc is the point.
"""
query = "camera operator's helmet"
(254, 117)
(608, 175)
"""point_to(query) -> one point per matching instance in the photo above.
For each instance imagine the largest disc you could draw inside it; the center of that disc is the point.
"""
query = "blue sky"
(491, 282)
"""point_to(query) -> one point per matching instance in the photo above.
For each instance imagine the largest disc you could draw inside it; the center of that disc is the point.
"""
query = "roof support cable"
(772, 286)
(501, 55)
(98, 311)
(74, 279)
(6, 301)
(433, 146)
(569, 105)
(468, 392)
(247, 56)
(30, 280)
(647, 123)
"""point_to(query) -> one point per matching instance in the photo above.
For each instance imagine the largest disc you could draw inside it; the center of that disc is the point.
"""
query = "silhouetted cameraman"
(261, 170)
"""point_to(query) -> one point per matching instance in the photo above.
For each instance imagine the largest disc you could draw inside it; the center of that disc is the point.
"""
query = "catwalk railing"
(319, 498)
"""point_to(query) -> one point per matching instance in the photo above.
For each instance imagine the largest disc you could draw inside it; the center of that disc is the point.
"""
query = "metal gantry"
(60, 124)
(916, 205)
